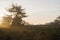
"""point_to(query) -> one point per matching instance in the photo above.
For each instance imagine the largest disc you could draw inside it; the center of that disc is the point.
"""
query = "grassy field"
(30, 33)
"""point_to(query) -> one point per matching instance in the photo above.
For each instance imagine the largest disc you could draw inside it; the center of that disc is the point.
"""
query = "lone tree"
(17, 15)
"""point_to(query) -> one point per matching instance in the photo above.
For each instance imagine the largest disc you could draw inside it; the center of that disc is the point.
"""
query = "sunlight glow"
(1, 16)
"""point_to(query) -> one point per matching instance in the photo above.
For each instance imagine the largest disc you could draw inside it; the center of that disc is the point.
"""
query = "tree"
(17, 15)
(57, 20)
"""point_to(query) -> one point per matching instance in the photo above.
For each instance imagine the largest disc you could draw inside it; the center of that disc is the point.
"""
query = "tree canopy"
(17, 13)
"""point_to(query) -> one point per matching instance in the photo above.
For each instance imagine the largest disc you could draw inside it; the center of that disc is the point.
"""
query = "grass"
(30, 33)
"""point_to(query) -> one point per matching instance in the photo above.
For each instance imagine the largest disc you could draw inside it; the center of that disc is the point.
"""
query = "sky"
(38, 11)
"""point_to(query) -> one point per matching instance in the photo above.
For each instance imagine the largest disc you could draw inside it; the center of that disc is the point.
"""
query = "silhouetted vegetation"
(17, 13)
(50, 31)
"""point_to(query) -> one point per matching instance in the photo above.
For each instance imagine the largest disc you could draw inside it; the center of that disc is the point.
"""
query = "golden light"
(1, 17)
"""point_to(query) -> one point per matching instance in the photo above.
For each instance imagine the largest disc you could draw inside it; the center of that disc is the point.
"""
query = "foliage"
(18, 14)
(57, 20)
(30, 33)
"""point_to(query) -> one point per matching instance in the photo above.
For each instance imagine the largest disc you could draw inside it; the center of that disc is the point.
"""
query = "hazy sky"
(38, 11)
